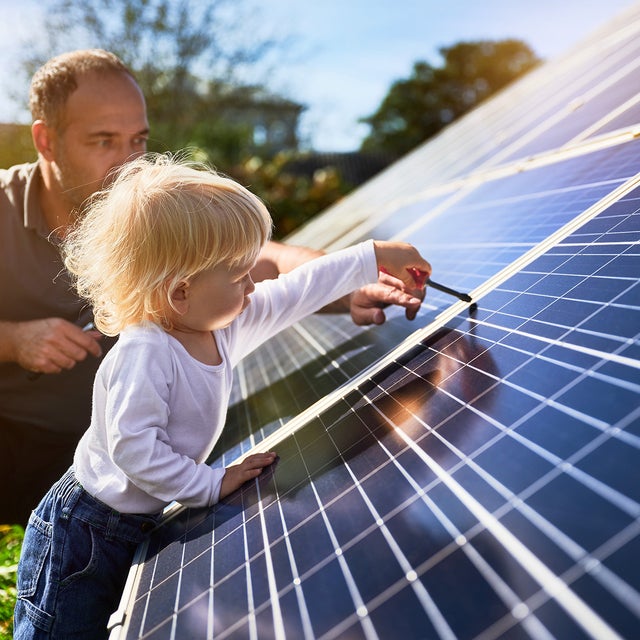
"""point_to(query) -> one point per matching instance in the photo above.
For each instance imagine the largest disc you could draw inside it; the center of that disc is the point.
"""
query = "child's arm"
(236, 475)
(277, 304)
(365, 304)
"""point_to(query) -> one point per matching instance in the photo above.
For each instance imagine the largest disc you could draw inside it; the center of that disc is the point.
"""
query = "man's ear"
(43, 139)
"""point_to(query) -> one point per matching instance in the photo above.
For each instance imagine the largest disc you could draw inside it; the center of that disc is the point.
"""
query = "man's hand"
(366, 304)
(250, 468)
(50, 345)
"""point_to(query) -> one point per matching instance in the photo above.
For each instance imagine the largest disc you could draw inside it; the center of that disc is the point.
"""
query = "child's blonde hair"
(162, 221)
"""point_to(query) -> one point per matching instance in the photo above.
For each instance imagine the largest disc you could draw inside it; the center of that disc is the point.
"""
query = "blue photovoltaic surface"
(497, 224)
(451, 493)
(458, 476)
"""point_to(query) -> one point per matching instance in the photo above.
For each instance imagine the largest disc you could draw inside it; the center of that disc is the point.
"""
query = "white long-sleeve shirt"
(157, 411)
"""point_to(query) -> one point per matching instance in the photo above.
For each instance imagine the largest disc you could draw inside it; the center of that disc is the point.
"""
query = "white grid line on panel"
(278, 622)
(439, 622)
(562, 466)
(552, 584)
(626, 593)
(300, 599)
(514, 603)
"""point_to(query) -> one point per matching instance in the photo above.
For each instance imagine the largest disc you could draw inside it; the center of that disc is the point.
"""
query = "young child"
(164, 257)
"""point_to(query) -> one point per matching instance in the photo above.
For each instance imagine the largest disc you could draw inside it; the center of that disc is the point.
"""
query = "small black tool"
(452, 292)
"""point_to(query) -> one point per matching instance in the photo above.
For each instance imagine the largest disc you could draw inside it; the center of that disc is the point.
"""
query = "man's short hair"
(57, 79)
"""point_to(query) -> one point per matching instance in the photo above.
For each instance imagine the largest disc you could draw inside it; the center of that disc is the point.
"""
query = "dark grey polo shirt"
(34, 284)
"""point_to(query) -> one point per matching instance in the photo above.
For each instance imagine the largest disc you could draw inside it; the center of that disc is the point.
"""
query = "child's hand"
(237, 474)
(403, 261)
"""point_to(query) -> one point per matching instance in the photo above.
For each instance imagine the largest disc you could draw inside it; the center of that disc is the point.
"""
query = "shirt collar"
(33, 213)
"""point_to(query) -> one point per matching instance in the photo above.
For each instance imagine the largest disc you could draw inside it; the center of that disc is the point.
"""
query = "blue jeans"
(75, 559)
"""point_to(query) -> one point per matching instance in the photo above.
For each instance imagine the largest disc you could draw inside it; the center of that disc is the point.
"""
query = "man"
(89, 117)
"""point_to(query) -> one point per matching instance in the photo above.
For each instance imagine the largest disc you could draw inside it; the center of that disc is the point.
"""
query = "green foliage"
(291, 198)
(16, 145)
(418, 107)
(10, 544)
(187, 56)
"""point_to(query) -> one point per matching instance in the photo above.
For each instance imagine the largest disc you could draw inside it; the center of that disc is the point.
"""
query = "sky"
(345, 54)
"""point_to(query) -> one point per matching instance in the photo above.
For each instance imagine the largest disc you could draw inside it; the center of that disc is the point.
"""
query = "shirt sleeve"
(277, 304)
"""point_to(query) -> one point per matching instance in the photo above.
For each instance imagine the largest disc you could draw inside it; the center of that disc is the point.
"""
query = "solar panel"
(464, 475)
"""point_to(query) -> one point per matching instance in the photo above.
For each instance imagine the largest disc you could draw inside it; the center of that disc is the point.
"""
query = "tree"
(196, 63)
(16, 145)
(291, 198)
(417, 108)
(189, 56)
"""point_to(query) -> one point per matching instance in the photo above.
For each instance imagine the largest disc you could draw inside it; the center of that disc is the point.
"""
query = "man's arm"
(276, 258)
(365, 305)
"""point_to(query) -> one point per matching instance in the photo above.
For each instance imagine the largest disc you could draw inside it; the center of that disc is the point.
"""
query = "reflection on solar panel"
(462, 475)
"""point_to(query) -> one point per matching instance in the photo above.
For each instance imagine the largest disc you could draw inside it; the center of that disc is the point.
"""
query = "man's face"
(105, 125)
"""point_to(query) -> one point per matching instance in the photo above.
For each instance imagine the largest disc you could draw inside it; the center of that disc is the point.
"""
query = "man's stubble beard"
(72, 188)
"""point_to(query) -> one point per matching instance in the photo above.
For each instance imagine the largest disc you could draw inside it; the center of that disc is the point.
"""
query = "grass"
(10, 544)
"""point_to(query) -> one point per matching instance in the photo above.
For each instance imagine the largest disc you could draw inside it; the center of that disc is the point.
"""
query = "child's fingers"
(398, 291)
(253, 465)
(419, 276)
(414, 274)
(259, 460)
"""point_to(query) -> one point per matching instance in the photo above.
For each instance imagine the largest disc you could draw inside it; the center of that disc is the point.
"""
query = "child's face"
(214, 298)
